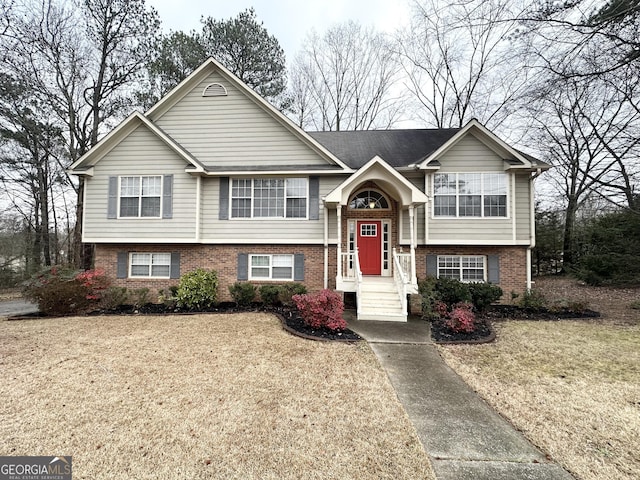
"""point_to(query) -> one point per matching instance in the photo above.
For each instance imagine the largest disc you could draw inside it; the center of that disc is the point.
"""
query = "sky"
(288, 20)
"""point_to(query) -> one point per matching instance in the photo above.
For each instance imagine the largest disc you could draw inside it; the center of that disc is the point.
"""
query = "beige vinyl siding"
(417, 181)
(470, 155)
(473, 156)
(141, 153)
(233, 130)
(263, 230)
(523, 210)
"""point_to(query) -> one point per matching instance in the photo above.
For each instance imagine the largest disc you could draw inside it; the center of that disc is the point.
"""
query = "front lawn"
(200, 396)
(573, 387)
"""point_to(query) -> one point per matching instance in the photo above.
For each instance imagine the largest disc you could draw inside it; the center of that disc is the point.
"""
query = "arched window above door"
(368, 199)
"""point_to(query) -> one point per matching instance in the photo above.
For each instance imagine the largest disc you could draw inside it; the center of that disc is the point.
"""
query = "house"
(214, 176)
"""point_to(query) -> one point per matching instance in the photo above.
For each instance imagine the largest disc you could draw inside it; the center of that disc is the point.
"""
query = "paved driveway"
(10, 308)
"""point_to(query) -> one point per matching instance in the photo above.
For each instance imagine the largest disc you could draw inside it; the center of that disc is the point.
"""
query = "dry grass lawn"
(573, 387)
(200, 396)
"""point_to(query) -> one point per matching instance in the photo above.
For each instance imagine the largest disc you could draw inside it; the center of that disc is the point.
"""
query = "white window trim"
(482, 195)
(386, 199)
(139, 217)
(460, 257)
(151, 254)
(270, 278)
(252, 217)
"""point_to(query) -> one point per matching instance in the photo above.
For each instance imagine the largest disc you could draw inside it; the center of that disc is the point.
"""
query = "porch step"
(379, 300)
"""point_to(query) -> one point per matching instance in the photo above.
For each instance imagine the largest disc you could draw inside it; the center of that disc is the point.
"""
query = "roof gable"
(514, 159)
(83, 165)
(238, 128)
(381, 172)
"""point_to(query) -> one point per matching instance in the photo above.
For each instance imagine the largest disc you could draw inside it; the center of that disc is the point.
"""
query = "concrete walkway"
(463, 436)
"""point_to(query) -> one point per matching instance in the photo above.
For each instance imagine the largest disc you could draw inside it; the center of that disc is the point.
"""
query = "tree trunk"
(568, 245)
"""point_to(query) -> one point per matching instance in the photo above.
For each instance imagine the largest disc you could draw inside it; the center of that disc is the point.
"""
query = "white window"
(271, 267)
(155, 265)
(269, 198)
(463, 268)
(140, 196)
(470, 195)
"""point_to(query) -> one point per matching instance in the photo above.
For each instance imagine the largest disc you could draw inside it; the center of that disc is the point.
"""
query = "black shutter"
(123, 265)
(175, 265)
(298, 267)
(243, 267)
(223, 213)
(432, 266)
(493, 269)
(314, 198)
(167, 196)
(112, 200)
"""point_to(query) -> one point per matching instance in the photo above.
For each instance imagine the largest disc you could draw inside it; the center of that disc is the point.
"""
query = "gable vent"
(214, 90)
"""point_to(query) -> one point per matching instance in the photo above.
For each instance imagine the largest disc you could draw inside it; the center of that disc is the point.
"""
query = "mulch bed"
(484, 333)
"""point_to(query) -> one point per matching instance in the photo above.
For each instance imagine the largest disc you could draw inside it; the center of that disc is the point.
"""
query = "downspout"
(532, 226)
(326, 246)
(198, 203)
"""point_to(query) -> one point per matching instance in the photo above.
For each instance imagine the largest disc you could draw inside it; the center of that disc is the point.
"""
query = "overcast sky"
(288, 20)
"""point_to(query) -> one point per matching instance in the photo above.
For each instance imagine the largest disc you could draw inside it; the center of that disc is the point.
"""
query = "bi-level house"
(214, 176)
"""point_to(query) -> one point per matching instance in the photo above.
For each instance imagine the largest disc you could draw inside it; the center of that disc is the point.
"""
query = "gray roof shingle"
(399, 148)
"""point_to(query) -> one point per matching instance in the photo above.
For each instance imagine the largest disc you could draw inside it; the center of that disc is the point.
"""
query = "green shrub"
(483, 295)
(139, 296)
(269, 294)
(429, 298)
(198, 289)
(168, 296)
(113, 297)
(243, 293)
(452, 291)
(533, 299)
(288, 290)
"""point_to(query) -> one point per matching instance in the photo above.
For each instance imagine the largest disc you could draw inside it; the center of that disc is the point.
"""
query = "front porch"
(370, 261)
(379, 297)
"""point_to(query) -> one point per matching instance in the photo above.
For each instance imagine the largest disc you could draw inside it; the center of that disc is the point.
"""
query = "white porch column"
(412, 232)
(339, 249)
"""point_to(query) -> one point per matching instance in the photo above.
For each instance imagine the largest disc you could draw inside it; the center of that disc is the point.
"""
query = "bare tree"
(587, 37)
(587, 131)
(84, 58)
(344, 80)
(460, 63)
(31, 172)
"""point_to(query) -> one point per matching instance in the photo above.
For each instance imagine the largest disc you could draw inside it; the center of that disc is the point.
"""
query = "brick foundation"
(221, 258)
(513, 264)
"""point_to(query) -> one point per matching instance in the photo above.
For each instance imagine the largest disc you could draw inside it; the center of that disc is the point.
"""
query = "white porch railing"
(350, 271)
(402, 275)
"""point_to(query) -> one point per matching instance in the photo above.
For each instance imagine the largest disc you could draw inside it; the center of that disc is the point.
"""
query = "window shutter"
(314, 198)
(175, 265)
(223, 214)
(167, 196)
(493, 269)
(112, 201)
(432, 266)
(243, 267)
(123, 267)
(298, 267)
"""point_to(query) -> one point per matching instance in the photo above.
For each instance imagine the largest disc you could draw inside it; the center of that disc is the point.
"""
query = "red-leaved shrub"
(461, 318)
(63, 291)
(321, 310)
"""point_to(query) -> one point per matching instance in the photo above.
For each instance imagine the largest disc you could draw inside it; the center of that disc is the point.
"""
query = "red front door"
(370, 246)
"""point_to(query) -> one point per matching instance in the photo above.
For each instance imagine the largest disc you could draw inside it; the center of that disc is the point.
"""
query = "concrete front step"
(379, 300)
(382, 316)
